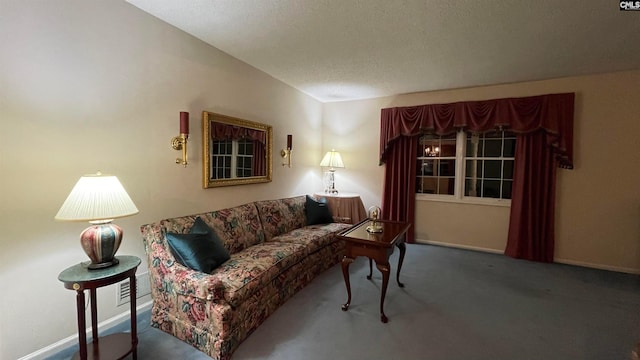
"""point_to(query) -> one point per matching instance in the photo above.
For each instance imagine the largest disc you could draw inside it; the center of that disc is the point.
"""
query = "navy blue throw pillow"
(200, 249)
(317, 211)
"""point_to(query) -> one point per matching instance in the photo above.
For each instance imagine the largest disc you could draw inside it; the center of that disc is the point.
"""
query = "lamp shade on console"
(98, 199)
(332, 160)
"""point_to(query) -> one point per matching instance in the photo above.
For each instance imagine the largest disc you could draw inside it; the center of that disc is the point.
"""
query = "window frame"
(458, 196)
(438, 158)
(233, 157)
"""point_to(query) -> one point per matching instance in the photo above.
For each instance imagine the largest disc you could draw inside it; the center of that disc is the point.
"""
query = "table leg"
(346, 261)
(94, 315)
(94, 324)
(134, 320)
(384, 269)
(82, 326)
(370, 269)
(403, 249)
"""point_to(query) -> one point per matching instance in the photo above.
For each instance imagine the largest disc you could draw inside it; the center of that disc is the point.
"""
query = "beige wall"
(598, 203)
(98, 85)
(87, 86)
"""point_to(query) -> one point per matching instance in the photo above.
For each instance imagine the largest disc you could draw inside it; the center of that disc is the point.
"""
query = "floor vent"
(124, 289)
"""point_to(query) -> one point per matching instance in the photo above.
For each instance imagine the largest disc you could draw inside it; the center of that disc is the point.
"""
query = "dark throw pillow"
(200, 249)
(317, 211)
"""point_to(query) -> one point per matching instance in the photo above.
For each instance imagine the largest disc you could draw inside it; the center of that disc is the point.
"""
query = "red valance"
(220, 131)
(551, 113)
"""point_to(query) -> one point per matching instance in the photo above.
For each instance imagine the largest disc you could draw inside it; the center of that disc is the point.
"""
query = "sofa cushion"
(281, 216)
(250, 269)
(238, 227)
(317, 211)
(199, 250)
(313, 237)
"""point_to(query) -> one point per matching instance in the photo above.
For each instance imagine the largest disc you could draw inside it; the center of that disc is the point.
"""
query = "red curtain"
(220, 131)
(398, 196)
(259, 165)
(549, 118)
(531, 226)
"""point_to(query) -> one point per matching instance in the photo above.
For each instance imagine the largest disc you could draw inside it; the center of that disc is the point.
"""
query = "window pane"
(506, 189)
(473, 168)
(427, 185)
(446, 186)
(447, 168)
(508, 169)
(470, 189)
(448, 147)
(425, 167)
(493, 148)
(509, 147)
(471, 148)
(491, 188)
(493, 169)
(244, 147)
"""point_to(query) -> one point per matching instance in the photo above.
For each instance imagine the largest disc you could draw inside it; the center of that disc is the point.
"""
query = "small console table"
(375, 246)
(80, 278)
(345, 205)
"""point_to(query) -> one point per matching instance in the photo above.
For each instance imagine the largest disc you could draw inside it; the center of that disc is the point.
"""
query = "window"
(489, 165)
(466, 166)
(231, 159)
(436, 165)
(244, 158)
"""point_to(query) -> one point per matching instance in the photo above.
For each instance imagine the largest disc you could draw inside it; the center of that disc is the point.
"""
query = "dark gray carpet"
(456, 304)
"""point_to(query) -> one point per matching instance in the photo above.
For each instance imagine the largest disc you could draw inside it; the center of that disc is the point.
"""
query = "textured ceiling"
(337, 50)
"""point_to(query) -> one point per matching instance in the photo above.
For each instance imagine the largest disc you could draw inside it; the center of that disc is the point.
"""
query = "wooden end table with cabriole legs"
(375, 246)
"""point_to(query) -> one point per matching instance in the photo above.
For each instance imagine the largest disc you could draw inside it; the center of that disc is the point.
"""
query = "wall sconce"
(180, 142)
(286, 153)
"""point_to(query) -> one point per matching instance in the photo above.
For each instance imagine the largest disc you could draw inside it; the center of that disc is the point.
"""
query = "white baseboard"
(598, 266)
(73, 340)
(459, 246)
(559, 261)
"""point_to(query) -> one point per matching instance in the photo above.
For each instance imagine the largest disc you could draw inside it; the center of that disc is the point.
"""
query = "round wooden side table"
(80, 278)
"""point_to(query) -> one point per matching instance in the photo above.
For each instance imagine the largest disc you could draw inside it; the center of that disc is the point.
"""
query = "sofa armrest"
(189, 282)
(169, 276)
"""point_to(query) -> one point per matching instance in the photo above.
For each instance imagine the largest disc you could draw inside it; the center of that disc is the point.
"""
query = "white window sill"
(464, 200)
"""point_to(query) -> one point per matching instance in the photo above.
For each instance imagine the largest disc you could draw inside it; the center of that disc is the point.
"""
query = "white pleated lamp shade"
(97, 198)
(332, 159)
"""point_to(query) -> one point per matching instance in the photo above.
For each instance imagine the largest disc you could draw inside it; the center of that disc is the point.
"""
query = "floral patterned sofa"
(273, 254)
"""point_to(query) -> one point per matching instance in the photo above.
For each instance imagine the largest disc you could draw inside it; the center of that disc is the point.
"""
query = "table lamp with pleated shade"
(332, 160)
(98, 199)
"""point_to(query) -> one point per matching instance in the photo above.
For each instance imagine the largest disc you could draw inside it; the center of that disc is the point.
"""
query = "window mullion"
(234, 158)
(461, 141)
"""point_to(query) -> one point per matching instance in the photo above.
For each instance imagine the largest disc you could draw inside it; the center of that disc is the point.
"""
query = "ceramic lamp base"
(102, 265)
(100, 243)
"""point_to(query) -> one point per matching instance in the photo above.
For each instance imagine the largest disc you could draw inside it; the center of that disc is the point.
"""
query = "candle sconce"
(286, 153)
(180, 142)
